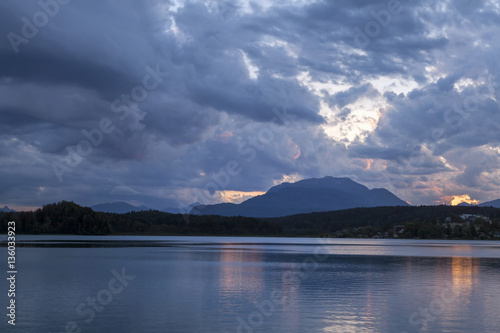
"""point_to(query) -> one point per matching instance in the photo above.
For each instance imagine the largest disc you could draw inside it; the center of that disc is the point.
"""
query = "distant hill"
(180, 210)
(117, 207)
(425, 222)
(6, 209)
(306, 196)
(494, 203)
(465, 204)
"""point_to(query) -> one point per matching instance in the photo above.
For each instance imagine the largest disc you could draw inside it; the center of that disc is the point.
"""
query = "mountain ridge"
(492, 203)
(180, 209)
(118, 207)
(6, 209)
(306, 196)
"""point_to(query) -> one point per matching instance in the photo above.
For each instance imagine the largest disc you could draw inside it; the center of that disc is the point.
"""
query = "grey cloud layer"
(210, 106)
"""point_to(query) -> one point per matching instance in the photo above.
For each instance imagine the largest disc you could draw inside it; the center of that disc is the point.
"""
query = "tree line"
(69, 218)
(425, 222)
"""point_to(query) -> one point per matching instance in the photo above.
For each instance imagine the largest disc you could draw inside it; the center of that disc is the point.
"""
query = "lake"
(236, 284)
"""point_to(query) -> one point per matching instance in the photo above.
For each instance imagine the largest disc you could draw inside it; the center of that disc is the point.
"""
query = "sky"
(166, 103)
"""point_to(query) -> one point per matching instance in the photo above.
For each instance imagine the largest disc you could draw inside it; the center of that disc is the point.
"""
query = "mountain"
(465, 204)
(6, 209)
(117, 207)
(180, 210)
(306, 196)
(494, 203)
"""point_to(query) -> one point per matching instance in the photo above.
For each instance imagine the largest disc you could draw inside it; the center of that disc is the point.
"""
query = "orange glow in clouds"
(457, 199)
(294, 149)
(225, 136)
(238, 196)
(368, 164)
(297, 153)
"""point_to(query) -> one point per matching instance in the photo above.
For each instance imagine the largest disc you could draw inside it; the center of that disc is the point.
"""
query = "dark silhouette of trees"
(425, 222)
(69, 218)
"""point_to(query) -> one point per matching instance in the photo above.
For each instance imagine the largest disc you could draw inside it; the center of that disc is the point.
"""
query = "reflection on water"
(465, 273)
(234, 278)
(241, 275)
(291, 278)
(203, 284)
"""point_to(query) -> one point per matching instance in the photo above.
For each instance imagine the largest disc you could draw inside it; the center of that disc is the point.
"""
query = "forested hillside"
(425, 222)
(419, 222)
(70, 218)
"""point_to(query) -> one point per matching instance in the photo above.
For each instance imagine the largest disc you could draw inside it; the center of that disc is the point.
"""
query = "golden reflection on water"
(465, 275)
(240, 270)
(462, 272)
(241, 275)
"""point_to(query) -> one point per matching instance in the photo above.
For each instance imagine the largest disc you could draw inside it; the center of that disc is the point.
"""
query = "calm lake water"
(230, 284)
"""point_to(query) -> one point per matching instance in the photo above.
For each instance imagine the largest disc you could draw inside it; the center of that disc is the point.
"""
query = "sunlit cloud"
(253, 71)
(458, 199)
(238, 196)
(288, 179)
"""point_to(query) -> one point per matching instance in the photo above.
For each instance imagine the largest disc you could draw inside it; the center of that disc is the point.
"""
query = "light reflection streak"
(465, 276)
(241, 276)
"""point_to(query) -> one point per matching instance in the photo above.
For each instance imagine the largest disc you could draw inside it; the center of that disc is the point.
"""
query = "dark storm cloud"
(73, 49)
(223, 69)
(350, 96)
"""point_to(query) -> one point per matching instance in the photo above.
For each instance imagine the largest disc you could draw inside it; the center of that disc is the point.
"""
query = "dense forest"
(69, 218)
(425, 222)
